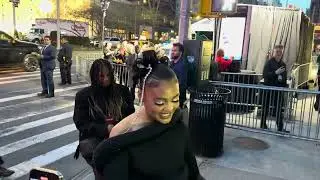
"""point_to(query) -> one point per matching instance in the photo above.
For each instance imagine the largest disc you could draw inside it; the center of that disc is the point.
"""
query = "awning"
(203, 25)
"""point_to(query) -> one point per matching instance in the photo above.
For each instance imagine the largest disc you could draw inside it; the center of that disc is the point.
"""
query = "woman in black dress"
(153, 142)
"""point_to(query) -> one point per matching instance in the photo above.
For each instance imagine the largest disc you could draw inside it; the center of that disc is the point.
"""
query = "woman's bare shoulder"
(122, 126)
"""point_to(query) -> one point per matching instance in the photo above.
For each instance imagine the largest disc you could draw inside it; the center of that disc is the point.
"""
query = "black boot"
(42, 94)
(50, 95)
(5, 172)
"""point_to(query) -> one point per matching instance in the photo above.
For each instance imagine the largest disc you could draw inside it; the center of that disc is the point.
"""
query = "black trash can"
(207, 119)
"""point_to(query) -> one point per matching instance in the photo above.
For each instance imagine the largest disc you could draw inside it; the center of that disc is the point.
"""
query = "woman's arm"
(191, 161)
(110, 163)
(117, 168)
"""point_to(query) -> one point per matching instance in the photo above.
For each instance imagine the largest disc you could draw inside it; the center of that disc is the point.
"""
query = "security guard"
(64, 58)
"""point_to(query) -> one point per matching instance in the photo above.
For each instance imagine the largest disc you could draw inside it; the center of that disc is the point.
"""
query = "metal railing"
(84, 63)
(297, 78)
(300, 75)
(242, 77)
(259, 107)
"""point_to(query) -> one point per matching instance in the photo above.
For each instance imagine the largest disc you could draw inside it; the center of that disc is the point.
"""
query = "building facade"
(314, 11)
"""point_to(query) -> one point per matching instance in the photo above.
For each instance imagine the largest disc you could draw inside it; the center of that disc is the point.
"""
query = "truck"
(44, 27)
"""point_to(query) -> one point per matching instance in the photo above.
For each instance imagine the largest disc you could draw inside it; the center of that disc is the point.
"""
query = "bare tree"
(93, 15)
(152, 12)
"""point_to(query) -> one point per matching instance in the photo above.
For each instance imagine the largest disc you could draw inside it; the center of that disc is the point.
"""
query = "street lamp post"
(104, 7)
(15, 4)
(58, 24)
(183, 20)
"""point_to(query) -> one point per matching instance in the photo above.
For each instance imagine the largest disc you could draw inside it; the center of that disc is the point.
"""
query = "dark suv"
(17, 53)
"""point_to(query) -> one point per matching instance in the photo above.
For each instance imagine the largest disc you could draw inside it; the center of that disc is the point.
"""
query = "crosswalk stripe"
(30, 114)
(40, 100)
(35, 94)
(23, 80)
(39, 88)
(45, 159)
(34, 72)
(40, 138)
(24, 76)
(33, 124)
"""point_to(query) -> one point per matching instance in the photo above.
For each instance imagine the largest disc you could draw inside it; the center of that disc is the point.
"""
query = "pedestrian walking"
(99, 107)
(47, 65)
(65, 61)
(153, 142)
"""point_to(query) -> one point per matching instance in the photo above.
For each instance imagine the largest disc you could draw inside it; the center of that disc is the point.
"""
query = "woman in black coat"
(99, 107)
(152, 143)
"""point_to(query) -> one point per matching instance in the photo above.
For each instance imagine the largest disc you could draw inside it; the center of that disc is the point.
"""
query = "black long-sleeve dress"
(157, 151)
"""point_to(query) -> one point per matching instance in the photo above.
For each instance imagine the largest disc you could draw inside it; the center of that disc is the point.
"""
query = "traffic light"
(15, 2)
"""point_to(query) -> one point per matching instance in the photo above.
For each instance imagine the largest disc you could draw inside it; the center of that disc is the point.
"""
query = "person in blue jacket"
(47, 65)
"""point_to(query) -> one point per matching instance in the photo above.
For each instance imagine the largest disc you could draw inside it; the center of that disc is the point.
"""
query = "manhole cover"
(250, 143)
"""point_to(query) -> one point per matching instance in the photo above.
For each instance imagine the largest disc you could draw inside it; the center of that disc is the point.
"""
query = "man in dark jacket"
(65, 60)
(274, 74)
(47, 65)
(179, 66)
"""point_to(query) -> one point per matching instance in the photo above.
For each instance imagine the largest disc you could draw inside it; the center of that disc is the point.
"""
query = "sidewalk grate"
(250, 143)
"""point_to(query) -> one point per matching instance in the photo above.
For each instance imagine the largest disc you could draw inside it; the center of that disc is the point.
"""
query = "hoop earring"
(144, 84)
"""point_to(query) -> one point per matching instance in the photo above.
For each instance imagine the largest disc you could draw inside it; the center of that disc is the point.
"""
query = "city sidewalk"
(252, 156)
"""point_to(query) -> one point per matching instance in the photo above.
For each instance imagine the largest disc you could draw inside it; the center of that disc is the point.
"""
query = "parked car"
(113, 40)
(14, 53)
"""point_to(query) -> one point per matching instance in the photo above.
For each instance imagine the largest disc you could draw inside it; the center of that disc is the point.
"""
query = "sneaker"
(5, 172)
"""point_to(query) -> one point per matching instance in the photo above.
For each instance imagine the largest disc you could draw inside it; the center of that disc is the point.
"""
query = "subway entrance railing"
(252, 104)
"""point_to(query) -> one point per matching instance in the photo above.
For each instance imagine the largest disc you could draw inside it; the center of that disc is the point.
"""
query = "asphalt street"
(38, 132)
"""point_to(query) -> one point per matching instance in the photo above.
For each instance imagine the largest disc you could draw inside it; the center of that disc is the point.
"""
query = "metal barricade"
(300, 75)
(247, 77)
(293, 107)
(121, 74)
(84, 63)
